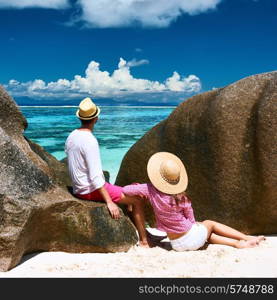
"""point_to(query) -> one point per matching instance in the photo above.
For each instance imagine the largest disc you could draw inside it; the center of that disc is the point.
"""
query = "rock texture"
(227, 139)
(37, 213)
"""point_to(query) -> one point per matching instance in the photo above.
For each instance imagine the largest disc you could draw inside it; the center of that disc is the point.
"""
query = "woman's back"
(170, 216)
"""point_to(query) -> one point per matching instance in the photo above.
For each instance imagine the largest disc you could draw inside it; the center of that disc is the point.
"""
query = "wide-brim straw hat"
(87, 110)
(167, 173)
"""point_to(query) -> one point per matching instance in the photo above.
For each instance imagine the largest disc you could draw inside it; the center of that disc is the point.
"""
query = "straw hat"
(87, 110)
(167, 173)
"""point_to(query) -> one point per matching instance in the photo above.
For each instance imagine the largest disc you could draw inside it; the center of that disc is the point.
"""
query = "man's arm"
(92, 155)
(112, 207)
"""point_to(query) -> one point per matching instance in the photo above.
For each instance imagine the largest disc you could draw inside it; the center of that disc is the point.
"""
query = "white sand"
(215, 261)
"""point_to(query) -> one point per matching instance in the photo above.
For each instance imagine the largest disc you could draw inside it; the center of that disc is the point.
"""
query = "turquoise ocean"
(117, 129)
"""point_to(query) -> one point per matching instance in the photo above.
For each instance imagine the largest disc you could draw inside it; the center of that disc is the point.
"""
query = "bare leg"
(222, 240)
(224, 230)
(222, 234)
(137, 212)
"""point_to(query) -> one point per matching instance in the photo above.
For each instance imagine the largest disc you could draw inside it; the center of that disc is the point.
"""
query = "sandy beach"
(160, 262)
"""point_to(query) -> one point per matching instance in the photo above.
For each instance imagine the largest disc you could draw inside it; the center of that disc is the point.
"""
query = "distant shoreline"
(118, 106)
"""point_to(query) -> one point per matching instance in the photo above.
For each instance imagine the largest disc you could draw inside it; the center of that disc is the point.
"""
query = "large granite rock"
(227, 139)
(37, 213)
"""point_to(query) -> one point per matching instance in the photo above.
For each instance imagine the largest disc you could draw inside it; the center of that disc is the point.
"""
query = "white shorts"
(194, 239)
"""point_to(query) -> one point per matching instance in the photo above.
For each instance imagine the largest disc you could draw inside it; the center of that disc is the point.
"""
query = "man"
(85, 169)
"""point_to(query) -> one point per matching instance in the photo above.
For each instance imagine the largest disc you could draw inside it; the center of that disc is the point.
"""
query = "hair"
(86, 122)
(178, 197)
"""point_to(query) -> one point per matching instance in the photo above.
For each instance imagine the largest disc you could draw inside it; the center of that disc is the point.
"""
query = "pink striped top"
(170, 217)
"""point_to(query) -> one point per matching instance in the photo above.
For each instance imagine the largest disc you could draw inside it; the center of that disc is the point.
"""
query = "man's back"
(84, 161)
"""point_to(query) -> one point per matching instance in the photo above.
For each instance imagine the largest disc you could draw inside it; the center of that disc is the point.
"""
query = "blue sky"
(132, 51)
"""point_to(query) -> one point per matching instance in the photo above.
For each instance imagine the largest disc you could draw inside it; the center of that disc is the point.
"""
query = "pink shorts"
(114, 191)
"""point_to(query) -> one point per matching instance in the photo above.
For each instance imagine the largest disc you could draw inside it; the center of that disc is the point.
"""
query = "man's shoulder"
(82, 137)
(72, 133)
(86, 139)
(81, 134)
(78, 137)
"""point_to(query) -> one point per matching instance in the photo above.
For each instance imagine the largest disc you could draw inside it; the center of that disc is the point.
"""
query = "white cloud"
(121, 13)
(188, 85)
(57, 4)
(98, 83)
(148, 13)
(136, 63)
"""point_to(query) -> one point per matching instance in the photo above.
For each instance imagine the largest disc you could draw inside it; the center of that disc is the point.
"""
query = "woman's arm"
(140, 190)
(188, 210)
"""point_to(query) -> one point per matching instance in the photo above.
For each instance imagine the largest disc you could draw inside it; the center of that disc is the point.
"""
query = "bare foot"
(258, 238)
(261, 238)
(144, 244)
(246, 244)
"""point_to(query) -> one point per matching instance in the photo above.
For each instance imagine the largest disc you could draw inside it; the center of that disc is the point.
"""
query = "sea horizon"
(123, 106)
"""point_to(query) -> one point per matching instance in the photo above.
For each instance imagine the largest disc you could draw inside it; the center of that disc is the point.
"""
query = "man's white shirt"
(84, 162)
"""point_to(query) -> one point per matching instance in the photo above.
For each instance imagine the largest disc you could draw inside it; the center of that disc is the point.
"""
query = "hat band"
(171, 181)
(91, 116)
